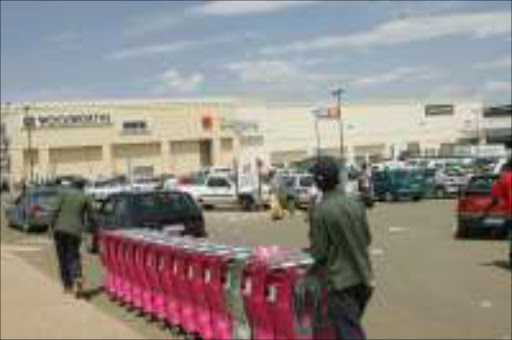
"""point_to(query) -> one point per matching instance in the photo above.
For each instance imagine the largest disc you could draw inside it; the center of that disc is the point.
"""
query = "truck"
(222, 190)
(240, 187)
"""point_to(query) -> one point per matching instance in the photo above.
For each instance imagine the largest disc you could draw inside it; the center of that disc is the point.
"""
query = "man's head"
(326, 174)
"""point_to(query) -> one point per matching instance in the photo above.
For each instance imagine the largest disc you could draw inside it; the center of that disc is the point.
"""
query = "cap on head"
(326, 173)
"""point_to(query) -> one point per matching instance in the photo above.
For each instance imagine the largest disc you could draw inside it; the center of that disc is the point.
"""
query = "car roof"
(145, 193)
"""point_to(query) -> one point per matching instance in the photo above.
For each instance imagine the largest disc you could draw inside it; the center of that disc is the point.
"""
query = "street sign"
(326, 112)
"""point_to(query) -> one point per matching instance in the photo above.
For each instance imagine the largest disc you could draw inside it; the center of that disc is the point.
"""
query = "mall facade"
(149, 137)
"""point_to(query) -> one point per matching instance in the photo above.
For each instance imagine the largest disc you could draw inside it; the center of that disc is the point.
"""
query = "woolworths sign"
(67, 120)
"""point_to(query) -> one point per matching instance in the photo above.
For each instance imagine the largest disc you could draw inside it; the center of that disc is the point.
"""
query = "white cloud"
(502, 62)
(276, 71)
(152, 49)
(158, 22)
(234, 8)
(399, 31)
(62, 41)
(499, 86)
(62, 37)
(173, 80)
(401, 74)
(176, 46)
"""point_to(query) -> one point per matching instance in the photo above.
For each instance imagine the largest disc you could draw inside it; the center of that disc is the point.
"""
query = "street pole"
(317, 139)
(28, 125)
(337, 94)
(317, 133)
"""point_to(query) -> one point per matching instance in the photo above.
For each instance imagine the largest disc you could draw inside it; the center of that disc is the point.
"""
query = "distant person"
(502, 193)
(72, 210)
(340, 238)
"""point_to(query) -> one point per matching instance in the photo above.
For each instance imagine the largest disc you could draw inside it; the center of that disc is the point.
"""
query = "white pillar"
(108, 163)
(166, 156)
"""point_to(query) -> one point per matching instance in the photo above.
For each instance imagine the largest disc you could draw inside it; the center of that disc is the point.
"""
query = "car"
(448, 182)
(220, 190)
(299, 187)
(146, 184)
(99, 190)
(32, 209)
(393, 185)
(475, 215)
(168, 211)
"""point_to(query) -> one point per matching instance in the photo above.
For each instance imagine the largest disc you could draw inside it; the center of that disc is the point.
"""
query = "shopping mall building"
(150, 137)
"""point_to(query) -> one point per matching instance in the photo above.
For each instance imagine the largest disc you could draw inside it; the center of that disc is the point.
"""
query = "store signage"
(54, 120)
(240, 125)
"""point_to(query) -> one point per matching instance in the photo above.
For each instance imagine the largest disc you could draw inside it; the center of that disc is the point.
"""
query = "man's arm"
(56, 212)
(89, 215)
(318, 238)
(366, 226)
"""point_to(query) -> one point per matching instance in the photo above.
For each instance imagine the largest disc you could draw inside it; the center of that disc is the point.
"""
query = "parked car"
(32, 209)
(299, 187)
(393, 185)
(448, 182)
(221, 190)
(100, 190)
(475, 214)
(146, 184)
(168, 211)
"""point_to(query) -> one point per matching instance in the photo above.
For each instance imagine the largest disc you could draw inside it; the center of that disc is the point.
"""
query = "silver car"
(33, 209)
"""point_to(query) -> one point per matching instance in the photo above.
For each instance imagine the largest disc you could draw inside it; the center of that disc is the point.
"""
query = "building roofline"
(114, 101)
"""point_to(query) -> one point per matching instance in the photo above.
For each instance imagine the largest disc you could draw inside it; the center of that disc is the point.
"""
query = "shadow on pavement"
(89, 294)
(500, 264)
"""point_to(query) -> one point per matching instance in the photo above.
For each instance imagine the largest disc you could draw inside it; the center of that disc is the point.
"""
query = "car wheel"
(440, 193)
(248, 203)
(461, 232)
(388, 197)
(25, 227)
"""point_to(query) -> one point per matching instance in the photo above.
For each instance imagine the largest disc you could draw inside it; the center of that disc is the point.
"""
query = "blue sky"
(279, 50)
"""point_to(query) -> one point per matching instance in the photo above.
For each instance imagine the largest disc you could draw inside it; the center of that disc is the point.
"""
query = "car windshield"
(164, 204)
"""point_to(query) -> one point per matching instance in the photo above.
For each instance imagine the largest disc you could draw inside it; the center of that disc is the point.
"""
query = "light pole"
(337, 95)
(29, 123)
(317, 132)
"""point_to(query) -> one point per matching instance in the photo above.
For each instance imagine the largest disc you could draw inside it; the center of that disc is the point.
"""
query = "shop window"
(439, 110)
(135, 126)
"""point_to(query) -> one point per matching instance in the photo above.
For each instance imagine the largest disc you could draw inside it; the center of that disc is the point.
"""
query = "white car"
(145, 184)
(100, 190)
(220, 190)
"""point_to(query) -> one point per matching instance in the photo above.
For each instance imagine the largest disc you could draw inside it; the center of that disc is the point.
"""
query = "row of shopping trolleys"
(208, 290)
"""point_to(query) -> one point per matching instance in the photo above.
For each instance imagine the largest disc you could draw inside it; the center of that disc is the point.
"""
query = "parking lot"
(429, 285)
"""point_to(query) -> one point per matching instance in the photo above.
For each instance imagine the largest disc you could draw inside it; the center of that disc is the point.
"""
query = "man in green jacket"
(68, 225)
(340, 239)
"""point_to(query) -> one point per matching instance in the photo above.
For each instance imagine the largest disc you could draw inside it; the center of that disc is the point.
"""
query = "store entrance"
(205, 151)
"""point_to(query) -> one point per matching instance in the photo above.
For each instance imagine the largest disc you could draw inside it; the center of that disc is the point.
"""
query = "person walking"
(339, 242)
(69, 219)
(502, 193)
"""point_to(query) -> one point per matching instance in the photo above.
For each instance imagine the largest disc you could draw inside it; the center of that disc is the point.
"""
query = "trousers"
(345, 309)
(69, 259)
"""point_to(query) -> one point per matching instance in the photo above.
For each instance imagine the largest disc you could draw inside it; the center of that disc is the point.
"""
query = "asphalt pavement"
(429, 285)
